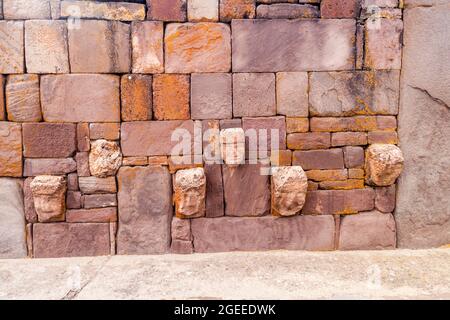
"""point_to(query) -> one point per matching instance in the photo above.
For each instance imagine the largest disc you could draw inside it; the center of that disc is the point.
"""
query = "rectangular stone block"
(22, 98)
(80, 98)
(158, 161)
(91, 185)
(147, 47)
(73, 200)
(214, 191)
(203, 10)
(294, 125)
(55, 166)
(135, 161)
(211, 96)
(319, 159)
(237, 9)
(82, 159)
(281, 158)
(338, 9)
(26, 9)
(385, 198)
(46, 46)
(339, 139)
(98, 46)
(263, 233)
(197, 47)
(354, 157)
(83, 140)
(339, 201)
(349, 184)
(167, 10)
(107, 131)
(92, 215)
(55, 240)
(267, 45)
(292, 94)
(154, 138)
(136, 97)
(287, 11)
(246, 177)
(91, 201)
(145, 210)
(181, 247)
(354, 93)
(358, 123)
(12, 50)
(49, 140)
(368, 231)
(309, 140)
(10, 149)
(28, 202)
(389, 137)
(254, 95)
(2, 97)
(171, 96)
(123, 11)
(327, 175)
(264, 134)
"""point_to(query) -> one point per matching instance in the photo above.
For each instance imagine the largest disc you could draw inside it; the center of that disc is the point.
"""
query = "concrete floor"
(402, 274)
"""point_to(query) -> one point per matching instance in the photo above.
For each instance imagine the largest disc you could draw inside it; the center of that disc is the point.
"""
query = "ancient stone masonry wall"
(115, 118)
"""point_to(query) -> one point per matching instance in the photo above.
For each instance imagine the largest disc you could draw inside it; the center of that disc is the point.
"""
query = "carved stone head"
(232, 146)
(49, 197)
(289, 186)
(190, 192)
(384, 164)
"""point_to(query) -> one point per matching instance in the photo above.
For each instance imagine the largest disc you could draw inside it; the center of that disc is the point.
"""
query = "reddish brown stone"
(28, 202)
(181, 247)
(263, 233)
(287, 11)
(356, 173)
(158, 161)
(339, 139)
(92, 215)
(214, 191)
(308, 141)
(167, 10)
(99, 201)
(319, 159)
(136, 92)
(260, 131)
(236, 9)
(145, 210)
(171, 97)
(10, 149)
(327, 175)
(338, 9)
(2, 97)
(294, 125)
(107, 131)
(386, 137)
(82, 159)
(73, 200)
(368, 231)
(83, 142)
(147, 46)
(49, 140)
(358, 123)
(181, 229)
(12, 51)
(246, 177)
(135, 161)
(53, 240)
(91, 185)
(22, 98)
(353, 157)
(54, 166)
(342, 185)
(385, 199)
(281, 158)
(339, 201)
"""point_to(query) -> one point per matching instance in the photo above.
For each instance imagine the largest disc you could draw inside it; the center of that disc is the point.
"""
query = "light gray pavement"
(403, 274)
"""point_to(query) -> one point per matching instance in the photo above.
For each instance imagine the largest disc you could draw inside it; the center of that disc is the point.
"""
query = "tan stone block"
(339, 139)
(158, 160)
(308, 141)
(22, 98)
(147, 44)
(292, 94)
(137, 98)
(190, 193)
(327, 175)
(203, 10)
(171, 97)
(103, 10)
(135, 161)
(12, 50)
(105, 158)
(237, 9)
(182, 163)
(10, 149)
(358, 123)
(82, 159)
(281, 158)
(294, 125)
(342, 185)
(26, 9)
(92, 215)
(83, 139)
(107, 131)
(382, 137)
(49, 197)
(91, 185)
(356, 173)
(36, 167)
(2, 97)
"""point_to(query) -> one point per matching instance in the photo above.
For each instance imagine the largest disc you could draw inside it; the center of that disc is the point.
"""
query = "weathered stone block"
(319, 159)
(339, 139)
(92, 215)
(82, 159)
(267, 45)
(197, 47)
(54, 240)
(357, 123)
(136, 96)
(349, 184)
(237, 9)
(73, 200)
(2, 98)
(203, 10)
(46, 46)
(287, 11)
(215, 206)
(135, 161)
(380, 3)
(37, 167)
(91, 201)
(281, 158)
(107, 131)
(97, 46)
(230, 123)
(147, 44)
(181, 247)
(145, 210)
(327, 175)
(309, 140)
(166, 10)
(385, 198)
(354, 157)
(12, 51)
(367, 231)
(12, 222)
(292, 94)
(264, 134)
(49, 140)
(254, 95)
(384, 163)
(123, 11)
(263, 233)
(26, 9)
(189, 193)
(22, 98)
(338, 9)
(382, 137)
(294, 125)
(153, 138)
(80, 98)
(171, 97)
(105, 158)
(91, 185)
(211, 96)
(28, 202)
(83, 142)
(10, 149)
(246, 177)
(354, 93)
(49, 195)
(232, 146)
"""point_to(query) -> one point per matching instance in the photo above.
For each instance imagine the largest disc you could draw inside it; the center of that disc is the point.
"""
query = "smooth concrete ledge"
(398, 274)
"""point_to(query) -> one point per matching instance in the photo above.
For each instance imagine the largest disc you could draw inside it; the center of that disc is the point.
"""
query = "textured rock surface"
(171, 96)
(99, 201)
(107, 131)
(215, 206)
(237, 9)
(80, 98)
(105, 158)
(423, 201)
(26, 9)
(385, 199)
(189, 193)
(92, 215)
(354, 93)
(90, 185)
(289, 185)
(287, 11)
(49, 195)
(260, 45)
(145, 210)
(136, 97)
(367, 231)
(232, 146)
(384, 164)
(292, 94)
(263, 233)
(147, 47)
(48, 140)
(10, 149)
(46, 46)
(22, 98)
(166, 10)
(308, 140)
(332, 9)
(319, 159)
(203, 10)
(53, 240)
(12, 50)
(197, 47)
(97, 10)
(59, 166)
(12, 222)
(246, 177)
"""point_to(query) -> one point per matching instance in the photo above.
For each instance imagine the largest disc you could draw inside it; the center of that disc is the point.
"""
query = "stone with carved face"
(384, 164)
(232, 146)
(190, 191)
(289, 186)
(49, 197)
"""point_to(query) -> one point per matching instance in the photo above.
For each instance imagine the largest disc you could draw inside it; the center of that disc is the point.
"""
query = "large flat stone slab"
(423, 198)
(293, 45)
(12, 220)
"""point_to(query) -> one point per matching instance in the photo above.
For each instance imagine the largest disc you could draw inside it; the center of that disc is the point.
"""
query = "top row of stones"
(185, 10)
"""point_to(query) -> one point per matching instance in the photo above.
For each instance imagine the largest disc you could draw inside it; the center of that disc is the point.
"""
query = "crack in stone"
(437, 100)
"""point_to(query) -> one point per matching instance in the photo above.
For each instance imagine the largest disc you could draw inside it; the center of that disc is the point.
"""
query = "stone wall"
(97, 96)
